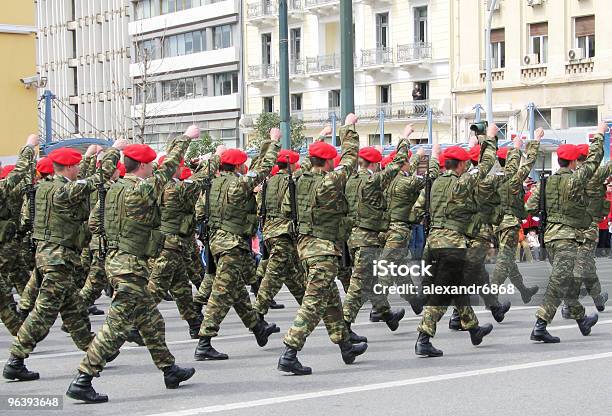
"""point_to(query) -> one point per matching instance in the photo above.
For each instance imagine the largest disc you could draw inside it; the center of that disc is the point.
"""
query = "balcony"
(264, 73)
(263, 12)
(322, 7)
(295, 10)
(297, 67)
(413, 53)
(323, 65)
(376, 58)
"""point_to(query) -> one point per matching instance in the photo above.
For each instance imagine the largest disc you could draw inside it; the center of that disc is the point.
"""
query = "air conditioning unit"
(575, 54)
(533, 3)
(531, 59)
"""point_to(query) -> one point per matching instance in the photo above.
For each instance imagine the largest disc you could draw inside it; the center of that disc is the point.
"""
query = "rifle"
(211, 267)
(102, 242)
(263, 211)
(427, 215)
(31, 193)
(292, 201)
(542, 214)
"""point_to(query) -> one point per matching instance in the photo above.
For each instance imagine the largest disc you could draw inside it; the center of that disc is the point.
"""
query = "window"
(180, 40)
(146, 49)
(584, 29)
(545, 122)
(222, 37)
(582, 117)
(188, 43)
(226, 83)
(333, 99)
(266, 48)
(420, 91)
(296, 102)
(296, 43)
(498, 42)
(384, 94)
(268, 104)
(382, 30)
(420, 24)
(374, 139)
(538, 40)
(198, 41)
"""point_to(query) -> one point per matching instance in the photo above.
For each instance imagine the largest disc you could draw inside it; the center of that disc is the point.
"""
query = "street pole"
(478, 116)
(488, 52)
(607, 142)
(334, 121)
(48, 96)
(347, 68)
(283, 47)
(381, 127)
(531, 113)
(429, 125)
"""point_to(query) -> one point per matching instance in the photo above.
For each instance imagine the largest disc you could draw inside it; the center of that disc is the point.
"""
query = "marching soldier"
(322, 208)
(567, 219)
(131, 220)
(233, 221)
(62, 207)
(453, 211)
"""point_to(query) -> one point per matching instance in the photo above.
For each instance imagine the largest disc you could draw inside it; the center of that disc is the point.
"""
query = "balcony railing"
(262, 8)
(295, 5)
(263, 72)
(377, 56)
(297, 67)
(317, 3)
(413, 52)
(323, 63)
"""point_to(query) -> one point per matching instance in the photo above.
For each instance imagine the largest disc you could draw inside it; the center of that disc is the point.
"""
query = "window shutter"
(538, 29)
(498, 35)
(584, 26)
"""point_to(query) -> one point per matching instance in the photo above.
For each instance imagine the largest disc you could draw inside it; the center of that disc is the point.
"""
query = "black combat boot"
(81, 389)
(174, 375)
(134, 336)
(528, 292)
(354, 338)
(351, 351)
(289, 363)
(197, 307)
(15, 369)
(375, 316)
(275, 305)
(167, 297)
(585, 324)
(600, 301)
(565, 312)
(93, 310)
(540, 333)
(499, 312)
(112, 357)
(455, 321)
(424, 347)
(194, 327)
(393, 317)
(263, 330)
(205, 351)
(478, 333)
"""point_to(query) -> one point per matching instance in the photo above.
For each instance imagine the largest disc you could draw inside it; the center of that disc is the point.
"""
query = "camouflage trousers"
(57, 294)
(21, 263)
(563, 283)
(204, 290)
(505, 266)
(169, 273)
(96, 279)
(7, 315)
(234, 268)
(321, 301)
(344, 276)
(195, 271)
(475, 271)
(132, 307)
(585, 268)
(283, 266)
(362, 282)
(29, 294)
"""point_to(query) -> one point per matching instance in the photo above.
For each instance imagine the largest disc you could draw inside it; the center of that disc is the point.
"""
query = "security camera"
(34, 82)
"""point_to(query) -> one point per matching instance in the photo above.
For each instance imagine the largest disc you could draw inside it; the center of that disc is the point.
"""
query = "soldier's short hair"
(130, 164)
(564, 163)
(502, 162)
(451, 164)
(582, 158)
(226, 167)
(317, 162)
(58, 168)
(281, 165)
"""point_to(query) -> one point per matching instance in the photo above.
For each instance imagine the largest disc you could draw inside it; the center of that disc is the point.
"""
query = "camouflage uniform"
(230, 242)
(318, 248)
(453, 217)
(62, 207)
(126, 264)
(567, 221)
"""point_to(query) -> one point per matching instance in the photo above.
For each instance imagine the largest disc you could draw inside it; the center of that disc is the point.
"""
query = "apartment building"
(186, 69)
(402, 68)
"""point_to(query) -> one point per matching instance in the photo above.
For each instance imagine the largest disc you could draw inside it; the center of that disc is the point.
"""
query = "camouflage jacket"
(23, 168)
(418, 210)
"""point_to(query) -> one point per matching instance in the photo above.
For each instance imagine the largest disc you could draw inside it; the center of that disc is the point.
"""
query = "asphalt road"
(507, 375)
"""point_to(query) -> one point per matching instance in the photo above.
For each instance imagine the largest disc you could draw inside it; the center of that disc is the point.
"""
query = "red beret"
(322, 150)
(441, 160)
(141, 153)
(6, 170)
(121, 168)
(583, 149)
(163, 158)
(275, 170)
(284, 153)
(234, 157)
(502, 153)
(386, 161)
(370, 154)
(475, 153)
(65, 156)
(568, 152)
(45, 165)
(185, 173)
(456, 153)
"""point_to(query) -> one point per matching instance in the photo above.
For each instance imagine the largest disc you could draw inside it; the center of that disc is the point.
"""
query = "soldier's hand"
(473, 141)
(91, 150)
(99, 149)
(350, 119)
(408, 130)
(120, 144)
(492, 130)
(193, 132)
(420, 152)
(518, 142)
(258, 188)
(275, 134)
(602, 127)
(539, 134)
(33, 140)
(436, 150)
(220, 149)
(327, 131)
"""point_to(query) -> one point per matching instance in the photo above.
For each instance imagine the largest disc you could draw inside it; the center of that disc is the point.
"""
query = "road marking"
(382, 386)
